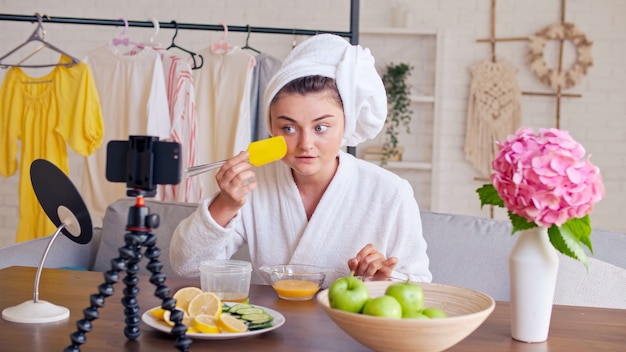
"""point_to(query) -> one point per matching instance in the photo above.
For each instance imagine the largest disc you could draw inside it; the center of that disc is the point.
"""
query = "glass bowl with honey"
(295, 282)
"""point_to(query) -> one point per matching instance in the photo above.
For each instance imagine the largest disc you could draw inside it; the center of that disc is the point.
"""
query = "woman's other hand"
(370, 262)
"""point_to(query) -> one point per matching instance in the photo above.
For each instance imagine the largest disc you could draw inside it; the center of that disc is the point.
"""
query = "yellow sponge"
(265, 151)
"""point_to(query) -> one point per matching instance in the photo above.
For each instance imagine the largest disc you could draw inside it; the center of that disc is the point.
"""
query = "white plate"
(160, 325)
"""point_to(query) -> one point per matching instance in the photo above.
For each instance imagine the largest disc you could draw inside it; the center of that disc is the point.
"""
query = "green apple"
(433, 313)
(409, 295)
(414, 315)
(349, 294)
(383, 306)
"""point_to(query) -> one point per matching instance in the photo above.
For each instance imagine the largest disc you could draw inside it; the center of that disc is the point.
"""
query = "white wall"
(597, 120)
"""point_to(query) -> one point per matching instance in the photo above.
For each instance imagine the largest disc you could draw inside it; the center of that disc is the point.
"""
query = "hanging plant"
(399, 113)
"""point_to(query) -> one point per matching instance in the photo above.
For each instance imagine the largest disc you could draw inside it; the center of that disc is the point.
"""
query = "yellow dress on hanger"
(45, 114)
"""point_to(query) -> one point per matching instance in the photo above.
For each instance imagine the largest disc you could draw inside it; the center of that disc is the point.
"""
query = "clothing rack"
(352, 34)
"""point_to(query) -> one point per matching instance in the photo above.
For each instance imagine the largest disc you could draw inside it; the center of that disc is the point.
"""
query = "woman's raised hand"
(235, 179)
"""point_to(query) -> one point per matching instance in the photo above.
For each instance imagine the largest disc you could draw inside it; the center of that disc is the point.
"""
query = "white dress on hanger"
(134, 102)
(223, 107)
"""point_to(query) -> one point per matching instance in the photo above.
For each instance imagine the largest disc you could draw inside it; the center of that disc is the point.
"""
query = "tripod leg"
(139, 224)
(134, 241)
(163, 292)
(96, 301)
(130, 254)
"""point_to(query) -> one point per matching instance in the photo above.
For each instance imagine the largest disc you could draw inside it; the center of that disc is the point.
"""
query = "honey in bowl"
(295, 289)
(295, 282)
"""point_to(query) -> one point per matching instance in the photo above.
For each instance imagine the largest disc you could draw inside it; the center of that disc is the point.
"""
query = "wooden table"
(307, 327)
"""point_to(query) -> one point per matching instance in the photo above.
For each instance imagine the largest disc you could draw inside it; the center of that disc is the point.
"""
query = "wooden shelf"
(421, 47)
(422, 98)
(405, 165)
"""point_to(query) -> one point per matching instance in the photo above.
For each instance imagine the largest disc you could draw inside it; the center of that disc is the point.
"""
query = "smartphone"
(143, 162)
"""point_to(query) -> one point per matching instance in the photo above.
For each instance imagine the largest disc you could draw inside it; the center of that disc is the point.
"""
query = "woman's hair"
(310, 84)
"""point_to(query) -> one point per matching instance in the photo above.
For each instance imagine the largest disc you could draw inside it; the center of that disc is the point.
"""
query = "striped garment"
(182, 104)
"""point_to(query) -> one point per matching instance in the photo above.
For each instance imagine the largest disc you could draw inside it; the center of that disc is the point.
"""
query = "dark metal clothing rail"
(180, 25)
(352, 34)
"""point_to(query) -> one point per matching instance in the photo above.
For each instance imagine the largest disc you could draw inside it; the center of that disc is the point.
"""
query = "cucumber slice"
(259, 326)
(253, 310)
(234, 309)
(225, 308)
(254, 322)
(257, 318)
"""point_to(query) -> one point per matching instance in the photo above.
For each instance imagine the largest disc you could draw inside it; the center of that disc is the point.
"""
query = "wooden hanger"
(191, 53)
(38, 35)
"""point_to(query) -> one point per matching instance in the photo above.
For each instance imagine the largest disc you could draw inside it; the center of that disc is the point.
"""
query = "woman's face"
(313, 126)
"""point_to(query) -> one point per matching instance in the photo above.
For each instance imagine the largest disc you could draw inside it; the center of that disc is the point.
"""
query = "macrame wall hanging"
(555, 78)
(493, 111)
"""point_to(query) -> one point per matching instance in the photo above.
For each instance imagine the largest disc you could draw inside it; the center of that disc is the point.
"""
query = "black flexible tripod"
(139, 224)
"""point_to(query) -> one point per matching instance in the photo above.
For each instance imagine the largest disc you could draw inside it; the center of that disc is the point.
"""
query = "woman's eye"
(289, 129)
(321, 128)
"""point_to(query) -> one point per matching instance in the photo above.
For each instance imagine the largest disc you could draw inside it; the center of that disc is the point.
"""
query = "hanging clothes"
(266, 67)
(134, 102)
(46, 114)
(182, 107)
(493, 111)
(223, 107)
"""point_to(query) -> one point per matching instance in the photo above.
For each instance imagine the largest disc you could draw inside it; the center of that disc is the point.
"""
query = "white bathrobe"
(363, 204)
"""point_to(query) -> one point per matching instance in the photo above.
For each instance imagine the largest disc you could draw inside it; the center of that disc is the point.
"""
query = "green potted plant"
(399, 113)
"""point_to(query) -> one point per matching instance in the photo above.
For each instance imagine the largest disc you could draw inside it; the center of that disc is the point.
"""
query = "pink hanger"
(121, 39)
(221, 45)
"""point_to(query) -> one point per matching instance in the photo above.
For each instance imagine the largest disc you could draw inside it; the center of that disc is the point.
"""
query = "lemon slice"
(229, 323)
(206, 324)
(205, 303)
(157, 312)
(186, 318)
(184, 295)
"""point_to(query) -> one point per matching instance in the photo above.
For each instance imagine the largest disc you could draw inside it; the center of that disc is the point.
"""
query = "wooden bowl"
(467, 309)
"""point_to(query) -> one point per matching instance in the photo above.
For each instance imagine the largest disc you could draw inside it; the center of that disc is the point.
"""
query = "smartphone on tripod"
(143, 162)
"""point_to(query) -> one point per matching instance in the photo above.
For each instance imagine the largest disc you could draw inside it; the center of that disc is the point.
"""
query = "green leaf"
(399, 103)
(520, 223)
(489, 196)
(558, 241)
(580, 228)
(567, 243)
(569, 239)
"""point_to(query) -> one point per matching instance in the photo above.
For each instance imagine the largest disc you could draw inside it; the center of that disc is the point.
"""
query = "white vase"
(533, 268)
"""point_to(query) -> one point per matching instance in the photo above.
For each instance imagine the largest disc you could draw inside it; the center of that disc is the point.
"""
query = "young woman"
(319, 205)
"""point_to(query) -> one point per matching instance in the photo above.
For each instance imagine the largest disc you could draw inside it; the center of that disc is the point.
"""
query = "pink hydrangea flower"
(545, 177)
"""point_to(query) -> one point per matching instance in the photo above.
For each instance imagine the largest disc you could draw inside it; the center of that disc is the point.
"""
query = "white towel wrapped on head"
(352, 66)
